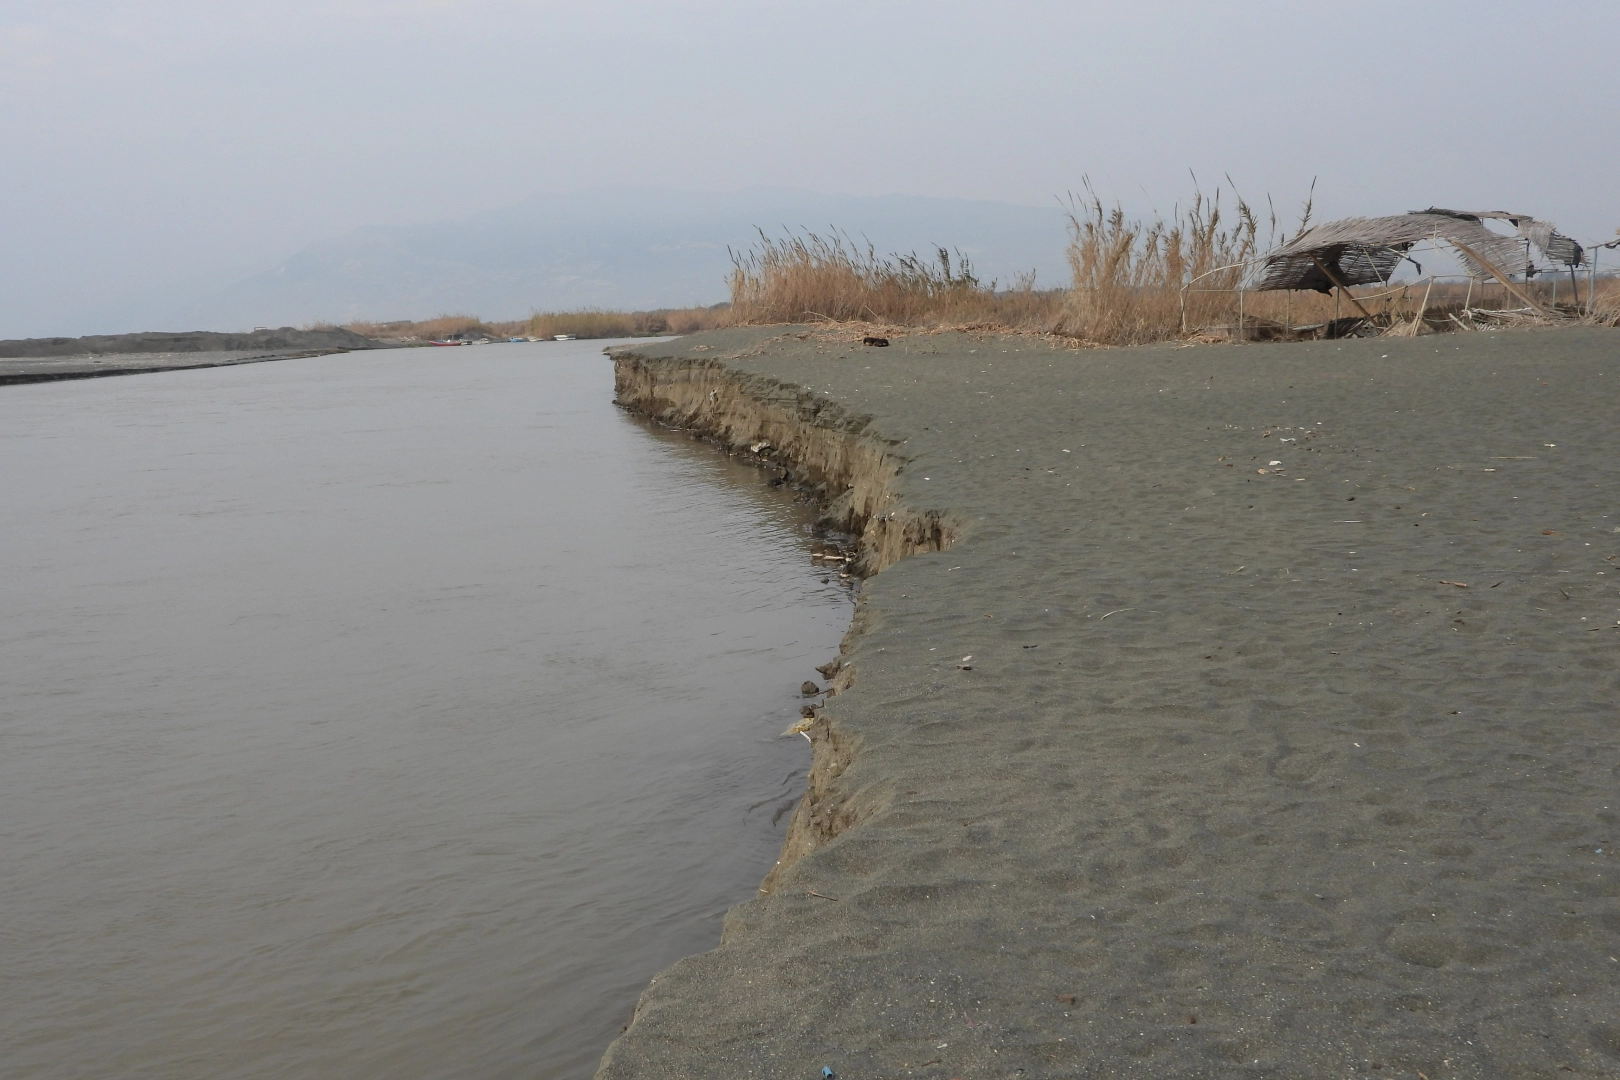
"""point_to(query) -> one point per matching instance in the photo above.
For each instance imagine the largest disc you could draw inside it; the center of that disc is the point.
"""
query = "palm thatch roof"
(1366, 251)
(1553, 244)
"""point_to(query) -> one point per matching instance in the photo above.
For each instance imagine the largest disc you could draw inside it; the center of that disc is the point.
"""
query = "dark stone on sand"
(809, 689)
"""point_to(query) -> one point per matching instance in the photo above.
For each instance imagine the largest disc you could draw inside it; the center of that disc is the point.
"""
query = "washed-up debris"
(966, 663)
(1460, 584)
(876, 342)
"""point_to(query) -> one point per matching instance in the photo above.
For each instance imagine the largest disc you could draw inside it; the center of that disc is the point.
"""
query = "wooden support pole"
(1490, 267)
(1417, 324)
(1345, 289)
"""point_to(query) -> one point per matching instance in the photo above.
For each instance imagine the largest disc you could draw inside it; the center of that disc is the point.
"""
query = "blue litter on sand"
(827, 1073)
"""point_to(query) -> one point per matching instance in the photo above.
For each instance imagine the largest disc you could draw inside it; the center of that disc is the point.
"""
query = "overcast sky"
(152, 141)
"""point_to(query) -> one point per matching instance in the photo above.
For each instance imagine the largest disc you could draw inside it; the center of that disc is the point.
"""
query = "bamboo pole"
(1331, 276)
(1498, 275)
(1417, 324)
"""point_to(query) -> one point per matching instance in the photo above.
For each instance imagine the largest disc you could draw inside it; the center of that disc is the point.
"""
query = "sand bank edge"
(849, 469)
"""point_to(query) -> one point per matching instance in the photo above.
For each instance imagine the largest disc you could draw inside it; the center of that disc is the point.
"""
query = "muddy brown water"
(384, 715)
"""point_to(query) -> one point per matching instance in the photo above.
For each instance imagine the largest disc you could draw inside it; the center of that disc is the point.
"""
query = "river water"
(393, 714)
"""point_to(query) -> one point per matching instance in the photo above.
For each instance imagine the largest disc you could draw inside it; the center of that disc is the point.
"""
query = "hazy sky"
(151, 141)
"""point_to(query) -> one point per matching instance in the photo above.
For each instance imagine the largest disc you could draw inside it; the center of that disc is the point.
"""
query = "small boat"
(451, 341)
(567, 337)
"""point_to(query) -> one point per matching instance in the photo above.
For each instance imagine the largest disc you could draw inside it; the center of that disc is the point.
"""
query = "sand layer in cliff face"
(1288, 745)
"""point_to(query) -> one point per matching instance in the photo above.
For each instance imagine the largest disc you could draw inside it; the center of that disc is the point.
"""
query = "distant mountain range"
(615, 249)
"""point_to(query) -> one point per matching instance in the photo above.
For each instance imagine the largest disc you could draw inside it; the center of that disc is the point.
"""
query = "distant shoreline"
(190, 341)
(34, 360)
(13, 372)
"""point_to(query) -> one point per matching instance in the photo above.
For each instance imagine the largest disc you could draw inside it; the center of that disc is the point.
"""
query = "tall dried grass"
(1134, 282)
(1605, 301)
(437, 329)
(596, 323)
(590, 323)
(1141, 281)
(814, 278)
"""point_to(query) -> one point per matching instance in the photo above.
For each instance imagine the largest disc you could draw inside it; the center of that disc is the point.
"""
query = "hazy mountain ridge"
(629, 249)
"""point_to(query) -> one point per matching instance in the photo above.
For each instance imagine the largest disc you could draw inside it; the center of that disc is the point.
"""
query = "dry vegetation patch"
(595, 323)
(442, 328)
(588, 323)
(1183, 276)
(814, 278)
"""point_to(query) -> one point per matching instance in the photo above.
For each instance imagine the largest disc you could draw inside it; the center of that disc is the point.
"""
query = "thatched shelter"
(1366, 251)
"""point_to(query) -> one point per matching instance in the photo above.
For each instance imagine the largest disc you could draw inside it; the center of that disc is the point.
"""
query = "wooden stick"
(1417, 324)
(1331, 276)
(1480, 260)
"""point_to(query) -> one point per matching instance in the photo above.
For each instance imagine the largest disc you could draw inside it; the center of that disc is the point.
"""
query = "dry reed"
(1140, 281)
(1135, 282)
(439, 329)
(589, 323)
(814, 278)
(596, 323)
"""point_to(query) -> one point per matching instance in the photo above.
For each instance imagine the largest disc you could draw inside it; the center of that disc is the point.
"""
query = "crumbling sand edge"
(849, 469)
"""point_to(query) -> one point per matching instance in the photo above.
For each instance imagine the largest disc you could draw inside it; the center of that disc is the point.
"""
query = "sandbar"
(1259, 719)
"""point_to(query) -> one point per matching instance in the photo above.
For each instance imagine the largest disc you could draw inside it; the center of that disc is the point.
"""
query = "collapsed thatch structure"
(1366, 251)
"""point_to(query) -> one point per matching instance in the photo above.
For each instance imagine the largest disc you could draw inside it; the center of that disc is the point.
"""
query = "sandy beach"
(1258, 718)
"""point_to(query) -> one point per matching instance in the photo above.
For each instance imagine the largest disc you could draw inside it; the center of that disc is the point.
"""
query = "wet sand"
(1287, 745)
